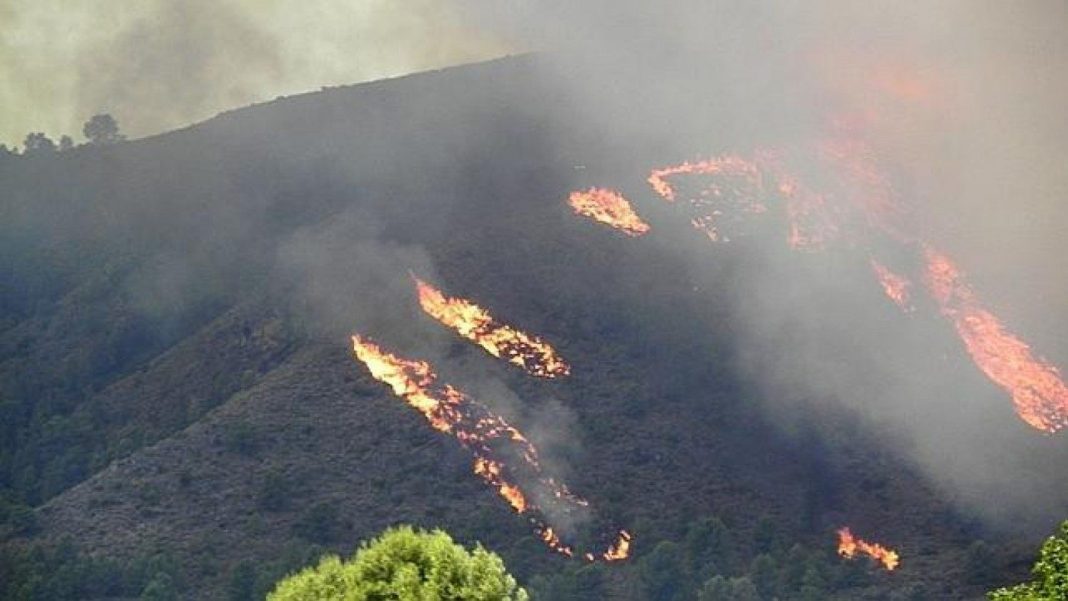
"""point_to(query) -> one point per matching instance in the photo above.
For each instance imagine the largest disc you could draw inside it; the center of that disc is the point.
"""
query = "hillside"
(177, 379)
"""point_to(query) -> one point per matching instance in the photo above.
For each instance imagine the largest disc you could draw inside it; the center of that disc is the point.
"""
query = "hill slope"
(176, 376)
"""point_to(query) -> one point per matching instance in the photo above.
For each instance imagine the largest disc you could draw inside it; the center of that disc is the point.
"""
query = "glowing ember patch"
(849, 547)
(1038, 392)
(610, 208)
(502, 455)
(476, 324)
(897, 287)
(733, 189)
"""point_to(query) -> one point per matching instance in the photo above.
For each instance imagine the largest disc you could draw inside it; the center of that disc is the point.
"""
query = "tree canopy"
(102, 129)
(1050, 572)
(405, 565)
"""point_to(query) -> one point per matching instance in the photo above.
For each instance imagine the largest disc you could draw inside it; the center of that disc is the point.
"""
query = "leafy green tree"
(1050, 572)
(662, 575)
(764, 573)
(719, 588)
(708, 547)
(405, 565)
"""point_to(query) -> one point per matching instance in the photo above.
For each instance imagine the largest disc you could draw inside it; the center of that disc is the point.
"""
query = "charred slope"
(176, 374)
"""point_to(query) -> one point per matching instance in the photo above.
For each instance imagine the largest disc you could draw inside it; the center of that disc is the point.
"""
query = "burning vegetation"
(860, 204)
(474, 323)
(610, 208)
(897, 287)
(503, 457)
(849, 547)
(1038, 392)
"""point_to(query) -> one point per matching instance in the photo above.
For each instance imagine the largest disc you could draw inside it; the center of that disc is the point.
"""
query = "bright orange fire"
(503, 456)
(610, 208)
(862, 200)
(1037, 390)
(620, 550)
(849, 546)
(476, 324)
(897, 287)
(735, 189)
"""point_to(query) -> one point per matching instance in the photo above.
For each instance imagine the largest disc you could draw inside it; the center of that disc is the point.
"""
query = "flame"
(620, 550)
(1037, 390)
(608, 207)
(897, 287)
(737, 189)
(863, 199)
(849, 546)
(477, 325)
(490, 438)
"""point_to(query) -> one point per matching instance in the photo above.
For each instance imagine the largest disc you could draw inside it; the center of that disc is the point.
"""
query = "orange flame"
(1037, 390)
(608, 207)
(490, 438)
(740, 191)
(897, 287)
(620, 550)
(477, 325)
(849, 546)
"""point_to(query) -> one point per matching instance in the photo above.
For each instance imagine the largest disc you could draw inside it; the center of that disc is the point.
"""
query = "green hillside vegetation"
(405, 564)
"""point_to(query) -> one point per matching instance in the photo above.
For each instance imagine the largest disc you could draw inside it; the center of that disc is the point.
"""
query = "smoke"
(162, 64)
(347, 279)
(964, 103)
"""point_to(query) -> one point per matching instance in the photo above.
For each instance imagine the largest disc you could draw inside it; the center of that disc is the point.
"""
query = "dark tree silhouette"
(65, 143)
(38, 143)
(102, 129)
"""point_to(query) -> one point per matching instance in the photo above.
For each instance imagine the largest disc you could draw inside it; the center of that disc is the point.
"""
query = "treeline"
(98, 130)
(712, 562)
(65, 573)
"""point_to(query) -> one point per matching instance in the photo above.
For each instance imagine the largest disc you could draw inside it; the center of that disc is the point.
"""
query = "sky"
(156, 65)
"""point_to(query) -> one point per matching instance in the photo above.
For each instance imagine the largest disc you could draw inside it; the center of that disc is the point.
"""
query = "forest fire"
(610, 208)
(723, 202)
(1037, 390)
(862, 199)
(849, 547)
(897, 287)
(474, 323)
(503, 456)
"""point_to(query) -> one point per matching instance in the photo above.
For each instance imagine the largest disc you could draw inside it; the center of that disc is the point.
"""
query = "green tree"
(405, 565)
(708, 547)
(1050, 572)
(661, 573)
(719, 588)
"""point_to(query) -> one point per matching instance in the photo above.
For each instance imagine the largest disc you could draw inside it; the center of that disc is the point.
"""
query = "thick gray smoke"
(163, 64)
(972, 129)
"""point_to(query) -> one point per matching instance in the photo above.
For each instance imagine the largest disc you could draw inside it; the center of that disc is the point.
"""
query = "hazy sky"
(160, 64)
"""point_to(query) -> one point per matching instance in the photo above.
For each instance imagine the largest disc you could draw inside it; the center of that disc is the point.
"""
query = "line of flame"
(482, 432)
(849, 546)
(610, 208)
(897, 287)
(1038, 392)
(474, 323)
